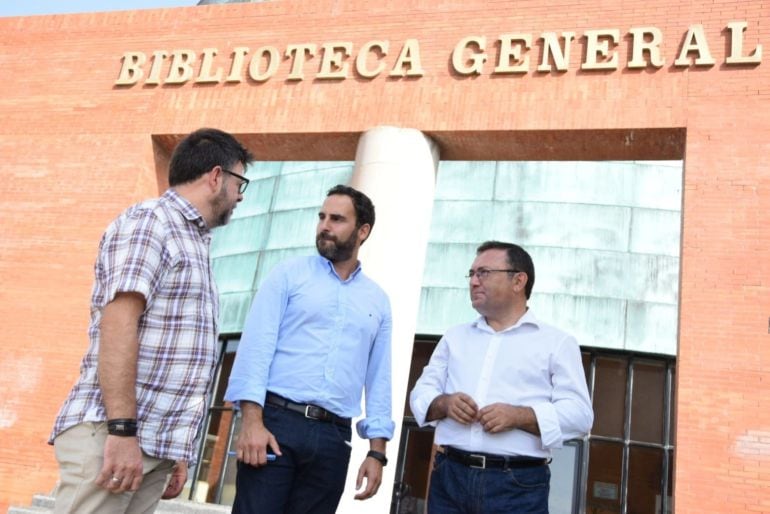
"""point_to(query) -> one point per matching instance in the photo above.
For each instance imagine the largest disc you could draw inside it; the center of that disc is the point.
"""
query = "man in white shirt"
(502, 392)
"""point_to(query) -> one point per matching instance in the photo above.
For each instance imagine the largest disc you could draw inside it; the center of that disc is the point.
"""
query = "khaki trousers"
(80, 451)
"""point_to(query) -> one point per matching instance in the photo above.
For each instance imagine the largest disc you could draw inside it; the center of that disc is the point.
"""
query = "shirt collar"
(527, 319)
(188, 210)
(330, 265)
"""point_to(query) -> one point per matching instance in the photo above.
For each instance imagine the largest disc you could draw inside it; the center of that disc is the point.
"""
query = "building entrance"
(624, 466)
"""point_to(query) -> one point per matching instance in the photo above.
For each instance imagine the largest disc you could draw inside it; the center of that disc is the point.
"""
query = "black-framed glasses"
(244, 181)
(483, 273)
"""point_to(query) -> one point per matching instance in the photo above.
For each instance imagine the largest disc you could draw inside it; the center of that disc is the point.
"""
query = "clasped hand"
(494, 418)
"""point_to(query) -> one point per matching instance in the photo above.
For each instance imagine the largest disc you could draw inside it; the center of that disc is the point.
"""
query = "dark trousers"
(458, 489)
(310, 475)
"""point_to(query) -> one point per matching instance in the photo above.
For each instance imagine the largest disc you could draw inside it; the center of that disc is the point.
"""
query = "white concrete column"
(395, 167)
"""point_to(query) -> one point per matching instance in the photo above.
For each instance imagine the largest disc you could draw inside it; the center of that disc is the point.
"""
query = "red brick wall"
(75, 151)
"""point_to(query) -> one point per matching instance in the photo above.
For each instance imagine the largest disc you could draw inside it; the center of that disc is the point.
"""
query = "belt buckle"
(483, 464)
(310, 415)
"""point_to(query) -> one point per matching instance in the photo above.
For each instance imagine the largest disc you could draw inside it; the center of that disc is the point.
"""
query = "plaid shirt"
(159, 248)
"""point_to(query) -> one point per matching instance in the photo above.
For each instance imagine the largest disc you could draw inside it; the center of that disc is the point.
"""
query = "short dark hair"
(518, 258)
(201, 151)
(362, 204)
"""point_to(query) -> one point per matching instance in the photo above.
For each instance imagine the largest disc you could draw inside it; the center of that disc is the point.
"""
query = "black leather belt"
(308, 410)
(487, 460)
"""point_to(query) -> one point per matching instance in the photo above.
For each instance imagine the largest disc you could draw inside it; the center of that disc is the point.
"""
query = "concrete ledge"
(43, 503)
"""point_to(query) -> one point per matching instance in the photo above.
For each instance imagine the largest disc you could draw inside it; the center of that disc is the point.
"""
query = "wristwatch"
(122, 427)
(378, 456)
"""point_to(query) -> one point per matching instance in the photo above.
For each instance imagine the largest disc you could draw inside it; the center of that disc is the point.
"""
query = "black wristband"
(378, 456)
(123, 427)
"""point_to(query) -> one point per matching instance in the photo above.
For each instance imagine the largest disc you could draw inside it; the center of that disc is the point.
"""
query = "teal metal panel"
(622, 275)
(461, 221)
(563, 225)
(291, 229)
(656, 231)
(232, 272)
(269, 258)
(264, 169)
(233, 308)
(303, 189)
(257, 199)
(276, 219)
(649, 184)
(571, 311)
(651, 327)
(604, 236)
(446, 265)
(289, 167)
(452, 182)
(241, 235)
(443, 307)
(658, 185)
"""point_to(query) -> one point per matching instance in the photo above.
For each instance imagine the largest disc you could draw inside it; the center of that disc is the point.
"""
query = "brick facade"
(76, 150)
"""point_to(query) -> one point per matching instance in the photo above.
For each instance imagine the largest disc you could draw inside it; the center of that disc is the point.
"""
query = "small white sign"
(605, 491)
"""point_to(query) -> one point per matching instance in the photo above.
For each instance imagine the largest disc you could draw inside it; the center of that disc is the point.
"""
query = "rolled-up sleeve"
(248, 379)
(378, 422)
(431, 384)
(569, 414)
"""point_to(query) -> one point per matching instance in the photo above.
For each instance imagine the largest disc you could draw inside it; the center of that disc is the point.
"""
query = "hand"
(122, 468)
(499, 417)
(176, 483)
(253, 441)
(371, 470)
(460, 407)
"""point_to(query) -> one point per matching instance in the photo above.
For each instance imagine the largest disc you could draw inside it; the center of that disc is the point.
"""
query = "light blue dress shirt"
(313, 338)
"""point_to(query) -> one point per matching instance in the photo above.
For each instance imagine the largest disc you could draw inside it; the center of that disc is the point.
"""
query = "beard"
(224, 217)
(333, 249)
(223, 211)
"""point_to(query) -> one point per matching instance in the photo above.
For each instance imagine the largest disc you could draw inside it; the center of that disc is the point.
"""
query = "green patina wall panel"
(604, 237)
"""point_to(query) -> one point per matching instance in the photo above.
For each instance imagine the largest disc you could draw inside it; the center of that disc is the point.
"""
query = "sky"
(33, 7)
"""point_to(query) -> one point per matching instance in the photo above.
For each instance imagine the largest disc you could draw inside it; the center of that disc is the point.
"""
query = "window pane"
(610, 396)
(647, 399)
(604, 471)
(672, 403)
(227, 493)
(645, 471)
(413, 486)
(563, 479)
(420, 356)
(214, 460)
(670, 489)
(587, 368)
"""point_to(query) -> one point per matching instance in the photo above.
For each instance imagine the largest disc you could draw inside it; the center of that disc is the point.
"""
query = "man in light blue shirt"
(318, 333)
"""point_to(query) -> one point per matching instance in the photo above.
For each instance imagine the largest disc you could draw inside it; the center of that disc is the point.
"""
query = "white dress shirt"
(528, 364)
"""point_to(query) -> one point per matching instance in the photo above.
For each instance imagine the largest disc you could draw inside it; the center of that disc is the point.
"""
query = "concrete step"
(28, 510)
(40, 503)
(190, 507)
(43, 503)
(42, 500)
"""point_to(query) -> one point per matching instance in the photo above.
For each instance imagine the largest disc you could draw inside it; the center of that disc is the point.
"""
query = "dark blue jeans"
(308, 478)
(457, 489)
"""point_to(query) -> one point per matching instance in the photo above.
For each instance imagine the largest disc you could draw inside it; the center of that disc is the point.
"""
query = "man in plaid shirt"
(132, 418)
